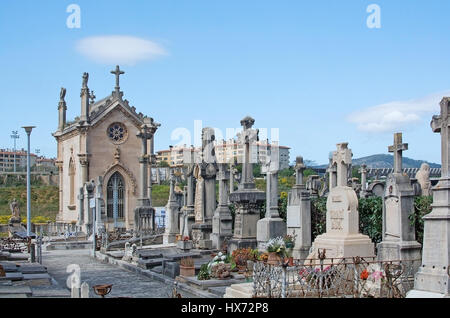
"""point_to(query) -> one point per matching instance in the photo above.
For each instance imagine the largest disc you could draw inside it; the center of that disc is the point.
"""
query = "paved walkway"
(125, 283)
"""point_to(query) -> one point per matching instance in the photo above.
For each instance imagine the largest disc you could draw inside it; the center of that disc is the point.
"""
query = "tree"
(163, 164)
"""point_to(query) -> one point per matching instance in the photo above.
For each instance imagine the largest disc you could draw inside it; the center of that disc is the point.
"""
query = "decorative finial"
(92, 97)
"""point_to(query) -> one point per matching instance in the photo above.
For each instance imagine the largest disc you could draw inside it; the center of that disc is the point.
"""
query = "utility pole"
(28, 130)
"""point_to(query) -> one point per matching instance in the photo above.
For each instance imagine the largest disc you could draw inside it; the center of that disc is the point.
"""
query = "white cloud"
(119, 49)
(392, 116)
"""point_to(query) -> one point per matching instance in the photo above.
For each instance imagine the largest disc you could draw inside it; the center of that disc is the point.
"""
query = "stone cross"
(117, 72)
(299, 168)
(397, 148)
(247, 137)
(363, 172)
(342, 157)
(440, 124)
(270, 169)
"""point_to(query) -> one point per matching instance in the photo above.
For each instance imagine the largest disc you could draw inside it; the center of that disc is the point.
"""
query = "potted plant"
(289, 242)
(187, 267)
(277, 249)
(185, 244)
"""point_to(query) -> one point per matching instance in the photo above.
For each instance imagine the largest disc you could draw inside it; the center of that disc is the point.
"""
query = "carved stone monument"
(342, 237)
(207, 169)
(423, 178)
(172, 209)
(247, 199)
(222, 220)
(271, 225)
(399, 242)
(433, 279)
(144, 213)
(299, 213)
(188, 210)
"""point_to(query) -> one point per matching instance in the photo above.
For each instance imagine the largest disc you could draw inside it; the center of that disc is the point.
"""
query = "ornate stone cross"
(397, 148)
(342, 157)
(117, 72)
(247, 137)
(440, 124)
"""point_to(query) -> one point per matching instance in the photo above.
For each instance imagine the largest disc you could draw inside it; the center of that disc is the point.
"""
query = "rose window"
(117, 133)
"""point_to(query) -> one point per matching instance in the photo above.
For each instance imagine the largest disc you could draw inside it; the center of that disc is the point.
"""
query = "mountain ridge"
(386, 161)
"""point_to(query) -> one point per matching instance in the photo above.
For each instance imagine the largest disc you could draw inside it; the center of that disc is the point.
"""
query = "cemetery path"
(125, 283)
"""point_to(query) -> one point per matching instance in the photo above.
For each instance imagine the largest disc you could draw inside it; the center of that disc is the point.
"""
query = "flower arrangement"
(276, 245)
(186, 238)
(240, 256)
(289, 241)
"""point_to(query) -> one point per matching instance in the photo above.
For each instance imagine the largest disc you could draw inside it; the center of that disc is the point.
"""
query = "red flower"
(364, 274)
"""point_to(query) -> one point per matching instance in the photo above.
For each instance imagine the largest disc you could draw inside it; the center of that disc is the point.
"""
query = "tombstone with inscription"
(342, 237)
(247, 199)
(271, 225)
(206, 172)
(399, 242)
(222, 219)
(433, 277)
(299, 213)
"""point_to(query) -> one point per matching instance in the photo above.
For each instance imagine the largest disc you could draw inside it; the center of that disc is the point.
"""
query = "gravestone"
(247, 199)
(271, 225)
(398, 240)
(222, 220)
(433, 279)
(204, 209)
(342, 238)
(188, 210)
(172, 208)
(299, 213)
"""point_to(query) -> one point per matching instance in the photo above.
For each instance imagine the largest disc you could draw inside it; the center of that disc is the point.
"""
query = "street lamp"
(15, 136)
(28, 130)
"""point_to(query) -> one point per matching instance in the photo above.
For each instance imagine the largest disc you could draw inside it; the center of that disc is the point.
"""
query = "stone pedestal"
(433, 276)
(222, 228)
(398, 234)
(247, 203)
(342, 238)
(299, 222)
(201, 235)
(299, 214)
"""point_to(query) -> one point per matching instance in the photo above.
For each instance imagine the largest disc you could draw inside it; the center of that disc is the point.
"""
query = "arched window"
(115, 197)
(72, 182)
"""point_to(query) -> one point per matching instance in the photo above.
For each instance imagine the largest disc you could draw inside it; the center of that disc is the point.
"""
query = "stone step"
(37, 279)
(13, 276)
(244, 290)
(149, 263)
(177, 257)
(13, 296)
(18, 257)
(50, 292)
(149, 254)
(218, 291)
(33, 269)
(10, 267)
(9, 290)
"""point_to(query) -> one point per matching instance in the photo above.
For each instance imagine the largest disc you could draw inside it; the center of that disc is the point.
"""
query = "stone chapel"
(109, 148)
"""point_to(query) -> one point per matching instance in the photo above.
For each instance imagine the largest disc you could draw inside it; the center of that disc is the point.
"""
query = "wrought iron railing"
(348, 278)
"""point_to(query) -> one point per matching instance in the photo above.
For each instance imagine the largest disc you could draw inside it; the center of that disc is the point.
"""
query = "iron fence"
(335, 278)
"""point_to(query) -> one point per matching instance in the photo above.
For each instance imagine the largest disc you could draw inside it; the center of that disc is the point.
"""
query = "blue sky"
(312, 69)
